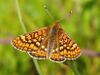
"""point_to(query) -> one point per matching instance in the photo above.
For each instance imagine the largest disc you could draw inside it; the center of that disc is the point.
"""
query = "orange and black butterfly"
(48, 43)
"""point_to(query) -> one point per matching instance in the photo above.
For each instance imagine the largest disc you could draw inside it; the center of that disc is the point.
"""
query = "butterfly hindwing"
(56, 57)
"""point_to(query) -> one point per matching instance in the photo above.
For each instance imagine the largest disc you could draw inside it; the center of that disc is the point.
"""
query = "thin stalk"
(24, 30)
(20, 16)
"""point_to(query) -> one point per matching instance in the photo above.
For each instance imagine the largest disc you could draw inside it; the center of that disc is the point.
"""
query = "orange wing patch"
(39, 54)
(32, 43)
(57, 57)
(68, 47)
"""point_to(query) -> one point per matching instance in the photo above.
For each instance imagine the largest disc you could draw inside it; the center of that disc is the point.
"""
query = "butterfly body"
(52, 37)
(48, 43)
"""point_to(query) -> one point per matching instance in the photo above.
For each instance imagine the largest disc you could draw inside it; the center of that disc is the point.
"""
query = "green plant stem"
(73, 66)
(20, 16)
(37, 66)
(24, 30)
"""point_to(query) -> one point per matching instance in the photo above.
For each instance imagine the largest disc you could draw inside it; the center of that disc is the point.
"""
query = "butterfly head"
(56, 25)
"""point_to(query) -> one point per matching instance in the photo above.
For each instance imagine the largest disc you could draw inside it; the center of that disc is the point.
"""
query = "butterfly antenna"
(48, 12)
(66, 16)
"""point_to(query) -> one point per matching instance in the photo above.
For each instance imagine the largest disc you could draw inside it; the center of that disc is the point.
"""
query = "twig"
(5, 41)
(90, 53)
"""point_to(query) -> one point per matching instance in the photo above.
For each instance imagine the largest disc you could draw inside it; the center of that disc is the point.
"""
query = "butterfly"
(48, 43)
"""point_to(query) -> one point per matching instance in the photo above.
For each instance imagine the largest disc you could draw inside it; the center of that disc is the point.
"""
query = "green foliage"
(83, 26)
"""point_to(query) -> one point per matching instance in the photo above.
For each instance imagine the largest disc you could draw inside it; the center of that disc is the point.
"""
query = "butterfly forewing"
(32, 43)
(68, 48)
(42, 51)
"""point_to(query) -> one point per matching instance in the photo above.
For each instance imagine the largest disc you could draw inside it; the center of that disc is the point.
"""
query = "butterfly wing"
(66, 49)
(32, 43)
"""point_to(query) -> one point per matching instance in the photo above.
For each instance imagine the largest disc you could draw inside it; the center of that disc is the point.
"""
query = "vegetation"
(83, 25)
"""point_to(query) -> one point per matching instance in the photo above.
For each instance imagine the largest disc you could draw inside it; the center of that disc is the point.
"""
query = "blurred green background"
(83, 25)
